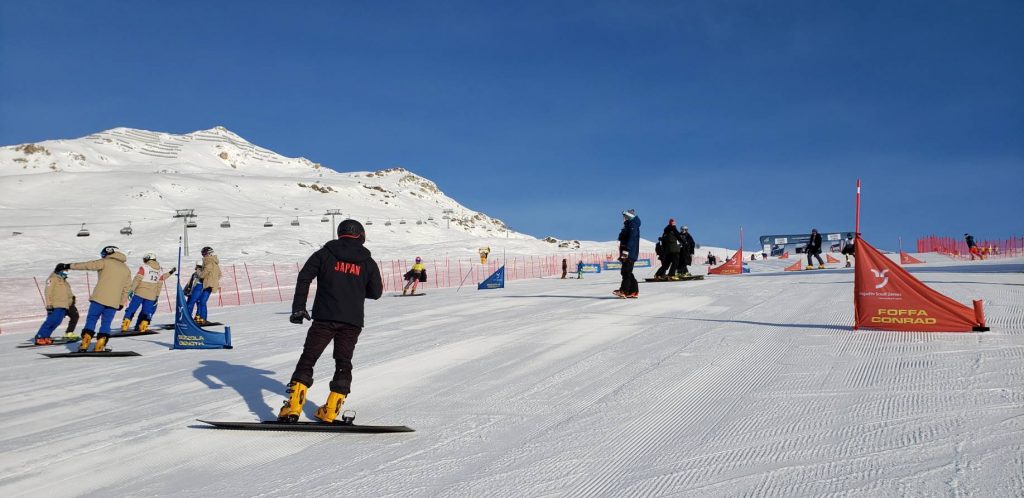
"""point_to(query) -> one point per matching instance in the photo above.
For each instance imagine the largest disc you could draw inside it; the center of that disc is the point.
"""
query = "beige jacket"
(211, 273)
(58, 292)
(149, 280)
(114, 278)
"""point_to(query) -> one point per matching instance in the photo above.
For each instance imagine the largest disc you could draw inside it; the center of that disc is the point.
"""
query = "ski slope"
(735, 385)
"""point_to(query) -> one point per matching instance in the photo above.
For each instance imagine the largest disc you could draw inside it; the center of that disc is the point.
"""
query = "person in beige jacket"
(144, 292)
(108, 296)
(210, 275)
(58, 300)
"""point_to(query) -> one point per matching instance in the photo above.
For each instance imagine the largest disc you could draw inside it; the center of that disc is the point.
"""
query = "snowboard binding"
(347, 417)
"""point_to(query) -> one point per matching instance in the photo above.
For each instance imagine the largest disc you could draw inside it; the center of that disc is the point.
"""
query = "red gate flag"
(830, 259)
(887, 297)
(796, 266)
(732, 267)
(785, 255)
(906, 259)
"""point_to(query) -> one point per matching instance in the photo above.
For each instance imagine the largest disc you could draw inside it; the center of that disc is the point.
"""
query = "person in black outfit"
(629, 251)
(346, 275)
(670, 244)
(686, 250)
(565, 268)
(72, 319)
(848, 249)
(813, 249)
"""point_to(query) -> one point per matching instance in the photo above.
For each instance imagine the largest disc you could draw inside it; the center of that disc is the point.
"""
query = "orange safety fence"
(22, 301)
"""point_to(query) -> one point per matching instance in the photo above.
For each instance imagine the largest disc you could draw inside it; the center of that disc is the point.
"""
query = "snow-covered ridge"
(274, 204)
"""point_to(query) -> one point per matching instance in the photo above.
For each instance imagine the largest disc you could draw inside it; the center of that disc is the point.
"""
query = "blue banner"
(591, 268)
(617, 265)
(495, 281)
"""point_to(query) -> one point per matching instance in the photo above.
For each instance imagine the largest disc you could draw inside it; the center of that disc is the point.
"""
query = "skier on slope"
(58, 301)
(144, 292)
(813, 249)
(629, 251)
(565, 268)
(686, 248)
(193, 289)
(579, 270)
(848, 249)
(108, 297)
(972, 247)
(210, 274)
(414, 276)
(346, 275)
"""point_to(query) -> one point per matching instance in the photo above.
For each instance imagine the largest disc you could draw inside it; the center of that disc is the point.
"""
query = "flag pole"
(856, 224)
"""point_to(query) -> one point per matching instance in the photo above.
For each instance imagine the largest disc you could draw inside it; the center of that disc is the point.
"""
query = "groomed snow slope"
(737, 385)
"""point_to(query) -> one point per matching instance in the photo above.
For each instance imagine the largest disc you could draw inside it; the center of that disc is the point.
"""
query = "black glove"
(172, 271)
(119, 308)
(49, 309)
(61, 267)
(297, 317)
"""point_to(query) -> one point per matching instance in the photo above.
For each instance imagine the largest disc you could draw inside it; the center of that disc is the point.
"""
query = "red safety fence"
(957, 248)
(22, 299)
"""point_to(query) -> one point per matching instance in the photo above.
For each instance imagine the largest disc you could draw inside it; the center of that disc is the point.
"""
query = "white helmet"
(149, 256)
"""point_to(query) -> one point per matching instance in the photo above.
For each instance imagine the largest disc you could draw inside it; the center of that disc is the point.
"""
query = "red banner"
(887, 297)
(732, 267)
(906, 259)
(796, 266)
(830, 259)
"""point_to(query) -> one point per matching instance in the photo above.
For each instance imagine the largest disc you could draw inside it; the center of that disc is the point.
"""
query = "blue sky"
(556, 116)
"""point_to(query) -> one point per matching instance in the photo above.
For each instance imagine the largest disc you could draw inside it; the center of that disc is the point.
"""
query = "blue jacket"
(629, 238)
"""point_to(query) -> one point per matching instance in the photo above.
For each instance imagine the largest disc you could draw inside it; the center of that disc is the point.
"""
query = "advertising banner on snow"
(617, 265)
(887, 297)
(495, 281)
(732, 267)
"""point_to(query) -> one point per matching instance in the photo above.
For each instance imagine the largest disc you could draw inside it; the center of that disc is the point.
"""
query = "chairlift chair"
(430, 218)
(387, 223)
(191, 223)
(268, 223)
(401, 222)
(226, 223)
(325, 219)
(419, 222)
(295, 222)
(127, 230)
(83, 232)
(369, 222)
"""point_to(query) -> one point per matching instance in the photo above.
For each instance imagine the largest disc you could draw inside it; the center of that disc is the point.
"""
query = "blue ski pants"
(104, 314)
(53, 319)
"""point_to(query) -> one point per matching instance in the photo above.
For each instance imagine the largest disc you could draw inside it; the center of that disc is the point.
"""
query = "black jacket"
(814, 245)
(421, 276)
(346, 274)
(688, 245)
(670, 239)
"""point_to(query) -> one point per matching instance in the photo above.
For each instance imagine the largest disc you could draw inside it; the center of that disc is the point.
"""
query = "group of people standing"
(114, 289)
(675, 250)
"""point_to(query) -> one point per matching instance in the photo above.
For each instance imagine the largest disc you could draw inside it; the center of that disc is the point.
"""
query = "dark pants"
(629, 285)
(321, 334)
(816, 254)
(669, 265)
(72, 319)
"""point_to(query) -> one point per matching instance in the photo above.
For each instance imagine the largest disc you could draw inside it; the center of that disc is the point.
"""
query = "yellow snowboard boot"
(126, 324)
(143, 325)
(101, 343)
(332, 408)
(293, 405)
(86, 339)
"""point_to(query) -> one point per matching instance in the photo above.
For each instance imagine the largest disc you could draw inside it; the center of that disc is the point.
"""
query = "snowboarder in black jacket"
(814, 249)
(670, 246)
(686, 250)
(346, 276)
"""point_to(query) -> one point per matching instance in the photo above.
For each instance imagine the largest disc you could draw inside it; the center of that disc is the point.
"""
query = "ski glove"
(130, 295)
(49, 309)
(172, 271)
(297, 317)
(61, 267)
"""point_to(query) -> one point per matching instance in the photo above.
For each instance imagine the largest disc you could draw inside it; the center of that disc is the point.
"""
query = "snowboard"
(271, 425)
(93, 354)
(411, 295)
(56, 342)
(681, 279)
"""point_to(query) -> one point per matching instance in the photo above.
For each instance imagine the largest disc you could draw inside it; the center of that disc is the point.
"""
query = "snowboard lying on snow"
(170, 326)
(273, 425)
(56, 342)
(680, 279)
(92, 354)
